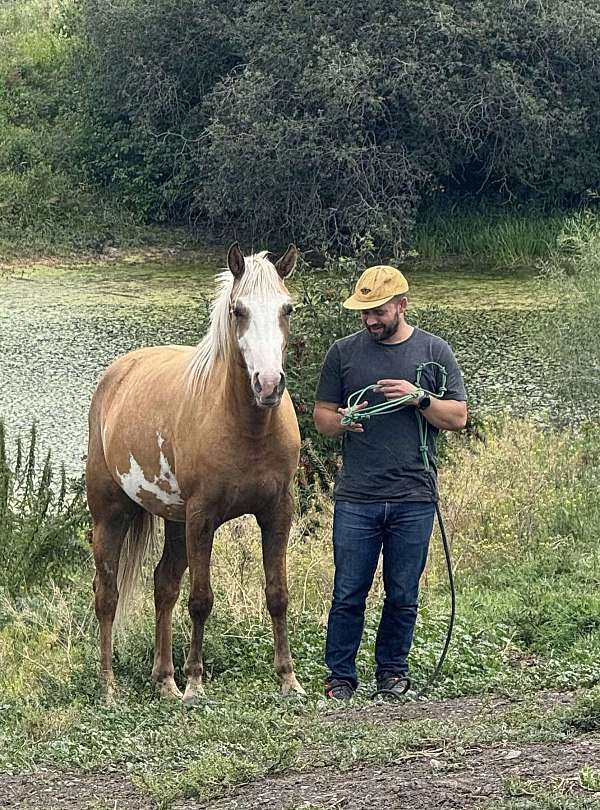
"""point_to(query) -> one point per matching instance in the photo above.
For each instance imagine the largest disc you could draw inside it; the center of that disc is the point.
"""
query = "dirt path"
(420, 783)
(422, 779)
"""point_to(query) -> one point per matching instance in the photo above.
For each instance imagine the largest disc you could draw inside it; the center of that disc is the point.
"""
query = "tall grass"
(509, 236)
(521, 510)
(571, 329)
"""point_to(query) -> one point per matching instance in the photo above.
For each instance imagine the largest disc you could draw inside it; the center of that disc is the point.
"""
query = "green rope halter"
(391, 405)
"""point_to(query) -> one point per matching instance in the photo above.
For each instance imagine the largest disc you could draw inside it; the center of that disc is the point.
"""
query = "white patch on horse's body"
(134, 482)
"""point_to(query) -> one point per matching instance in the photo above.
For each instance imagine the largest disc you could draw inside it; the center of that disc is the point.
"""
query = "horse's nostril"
(256, 384)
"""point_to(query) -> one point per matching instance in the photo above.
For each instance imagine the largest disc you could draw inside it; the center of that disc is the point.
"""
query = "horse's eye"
(238, 310)
(287, 309)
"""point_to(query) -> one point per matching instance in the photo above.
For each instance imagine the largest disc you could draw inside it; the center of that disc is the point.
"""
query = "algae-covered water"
(61, 326)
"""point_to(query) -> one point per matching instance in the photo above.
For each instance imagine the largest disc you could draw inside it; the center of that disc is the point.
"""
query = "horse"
(196, 436)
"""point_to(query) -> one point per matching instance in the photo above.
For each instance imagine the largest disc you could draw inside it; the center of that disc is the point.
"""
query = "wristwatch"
(424, 403)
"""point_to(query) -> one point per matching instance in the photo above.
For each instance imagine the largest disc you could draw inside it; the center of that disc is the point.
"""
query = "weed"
(42, 521)
(585, 715)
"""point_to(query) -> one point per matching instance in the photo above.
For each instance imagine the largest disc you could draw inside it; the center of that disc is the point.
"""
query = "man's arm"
(328, 419)
(445, 414)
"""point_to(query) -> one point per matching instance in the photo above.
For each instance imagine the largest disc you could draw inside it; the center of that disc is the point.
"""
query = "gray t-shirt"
(384, 462)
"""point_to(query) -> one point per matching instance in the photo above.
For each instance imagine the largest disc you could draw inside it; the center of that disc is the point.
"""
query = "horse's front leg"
(199, 539)
(275, 527)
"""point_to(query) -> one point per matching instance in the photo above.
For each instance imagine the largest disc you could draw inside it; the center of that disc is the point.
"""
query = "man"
(384, 496)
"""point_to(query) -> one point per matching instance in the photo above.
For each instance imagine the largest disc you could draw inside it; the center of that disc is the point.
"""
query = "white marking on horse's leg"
(169, 689)
(290, 684)
(194, 691)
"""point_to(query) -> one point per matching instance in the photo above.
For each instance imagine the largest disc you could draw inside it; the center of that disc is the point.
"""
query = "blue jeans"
(360, 531)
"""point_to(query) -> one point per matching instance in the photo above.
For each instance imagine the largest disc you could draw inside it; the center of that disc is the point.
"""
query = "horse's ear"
(285, 265)
(235, 260)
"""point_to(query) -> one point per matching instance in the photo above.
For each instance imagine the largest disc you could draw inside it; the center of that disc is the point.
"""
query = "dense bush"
(146, 69)
(323, 123)
(298, 120)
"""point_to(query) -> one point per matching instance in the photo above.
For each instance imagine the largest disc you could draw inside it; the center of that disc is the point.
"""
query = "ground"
(428, 777)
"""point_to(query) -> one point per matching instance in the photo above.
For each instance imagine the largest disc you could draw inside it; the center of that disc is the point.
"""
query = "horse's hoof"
(292, 688)
(168, 690)
(111, 693)
(193, 696)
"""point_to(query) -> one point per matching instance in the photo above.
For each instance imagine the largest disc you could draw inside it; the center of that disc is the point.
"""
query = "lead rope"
(390, 406)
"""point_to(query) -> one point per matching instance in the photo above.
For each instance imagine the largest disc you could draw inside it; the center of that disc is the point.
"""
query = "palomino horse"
(197, 436)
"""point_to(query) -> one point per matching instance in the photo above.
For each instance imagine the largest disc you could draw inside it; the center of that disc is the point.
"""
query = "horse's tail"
(140, 542)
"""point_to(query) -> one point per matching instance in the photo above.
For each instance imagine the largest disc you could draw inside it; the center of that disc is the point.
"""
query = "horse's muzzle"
(275, 390)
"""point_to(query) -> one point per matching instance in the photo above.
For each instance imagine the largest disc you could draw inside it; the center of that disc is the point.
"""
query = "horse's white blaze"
(262, 342)
(134, 482)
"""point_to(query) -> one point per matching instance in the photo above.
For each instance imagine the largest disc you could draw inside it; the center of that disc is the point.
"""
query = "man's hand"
(328, 417)
(353, 427)
(394, 389)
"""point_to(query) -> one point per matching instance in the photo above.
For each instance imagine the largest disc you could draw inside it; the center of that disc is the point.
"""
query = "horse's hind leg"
(109, 529)
(112, 513)
(167, 582)
(275, 527)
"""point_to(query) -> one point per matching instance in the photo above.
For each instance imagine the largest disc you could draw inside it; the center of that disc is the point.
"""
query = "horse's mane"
(261, 280)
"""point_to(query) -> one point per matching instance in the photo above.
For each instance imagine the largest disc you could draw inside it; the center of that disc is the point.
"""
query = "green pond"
(61, 326)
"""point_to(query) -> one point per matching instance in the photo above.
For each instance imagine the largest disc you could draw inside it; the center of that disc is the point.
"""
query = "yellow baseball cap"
(376, 287)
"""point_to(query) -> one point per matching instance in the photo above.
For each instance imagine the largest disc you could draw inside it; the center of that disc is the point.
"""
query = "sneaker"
(339, 690)
(393, 687)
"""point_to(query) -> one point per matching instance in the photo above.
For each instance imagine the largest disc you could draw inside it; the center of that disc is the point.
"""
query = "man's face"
(383, 322)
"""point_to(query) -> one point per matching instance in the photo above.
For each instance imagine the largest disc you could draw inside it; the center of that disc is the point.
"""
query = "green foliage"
(585, 715)
(41, 520)
(571, 331)
(44, 193)
(282, 121)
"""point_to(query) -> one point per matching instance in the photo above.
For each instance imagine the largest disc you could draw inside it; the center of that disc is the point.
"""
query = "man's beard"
(386, 332)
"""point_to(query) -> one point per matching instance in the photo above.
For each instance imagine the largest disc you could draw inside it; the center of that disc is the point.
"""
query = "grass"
(527, 562)
(522, 510)
(530, 796)
(507, 236)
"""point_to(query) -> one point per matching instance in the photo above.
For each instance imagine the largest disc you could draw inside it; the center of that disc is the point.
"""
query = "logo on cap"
(365, 290)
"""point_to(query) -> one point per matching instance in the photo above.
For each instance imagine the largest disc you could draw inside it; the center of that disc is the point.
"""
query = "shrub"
(42, 521)
(302, 120)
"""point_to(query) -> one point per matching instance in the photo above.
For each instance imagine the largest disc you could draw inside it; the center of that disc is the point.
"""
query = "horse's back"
(139, 371)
